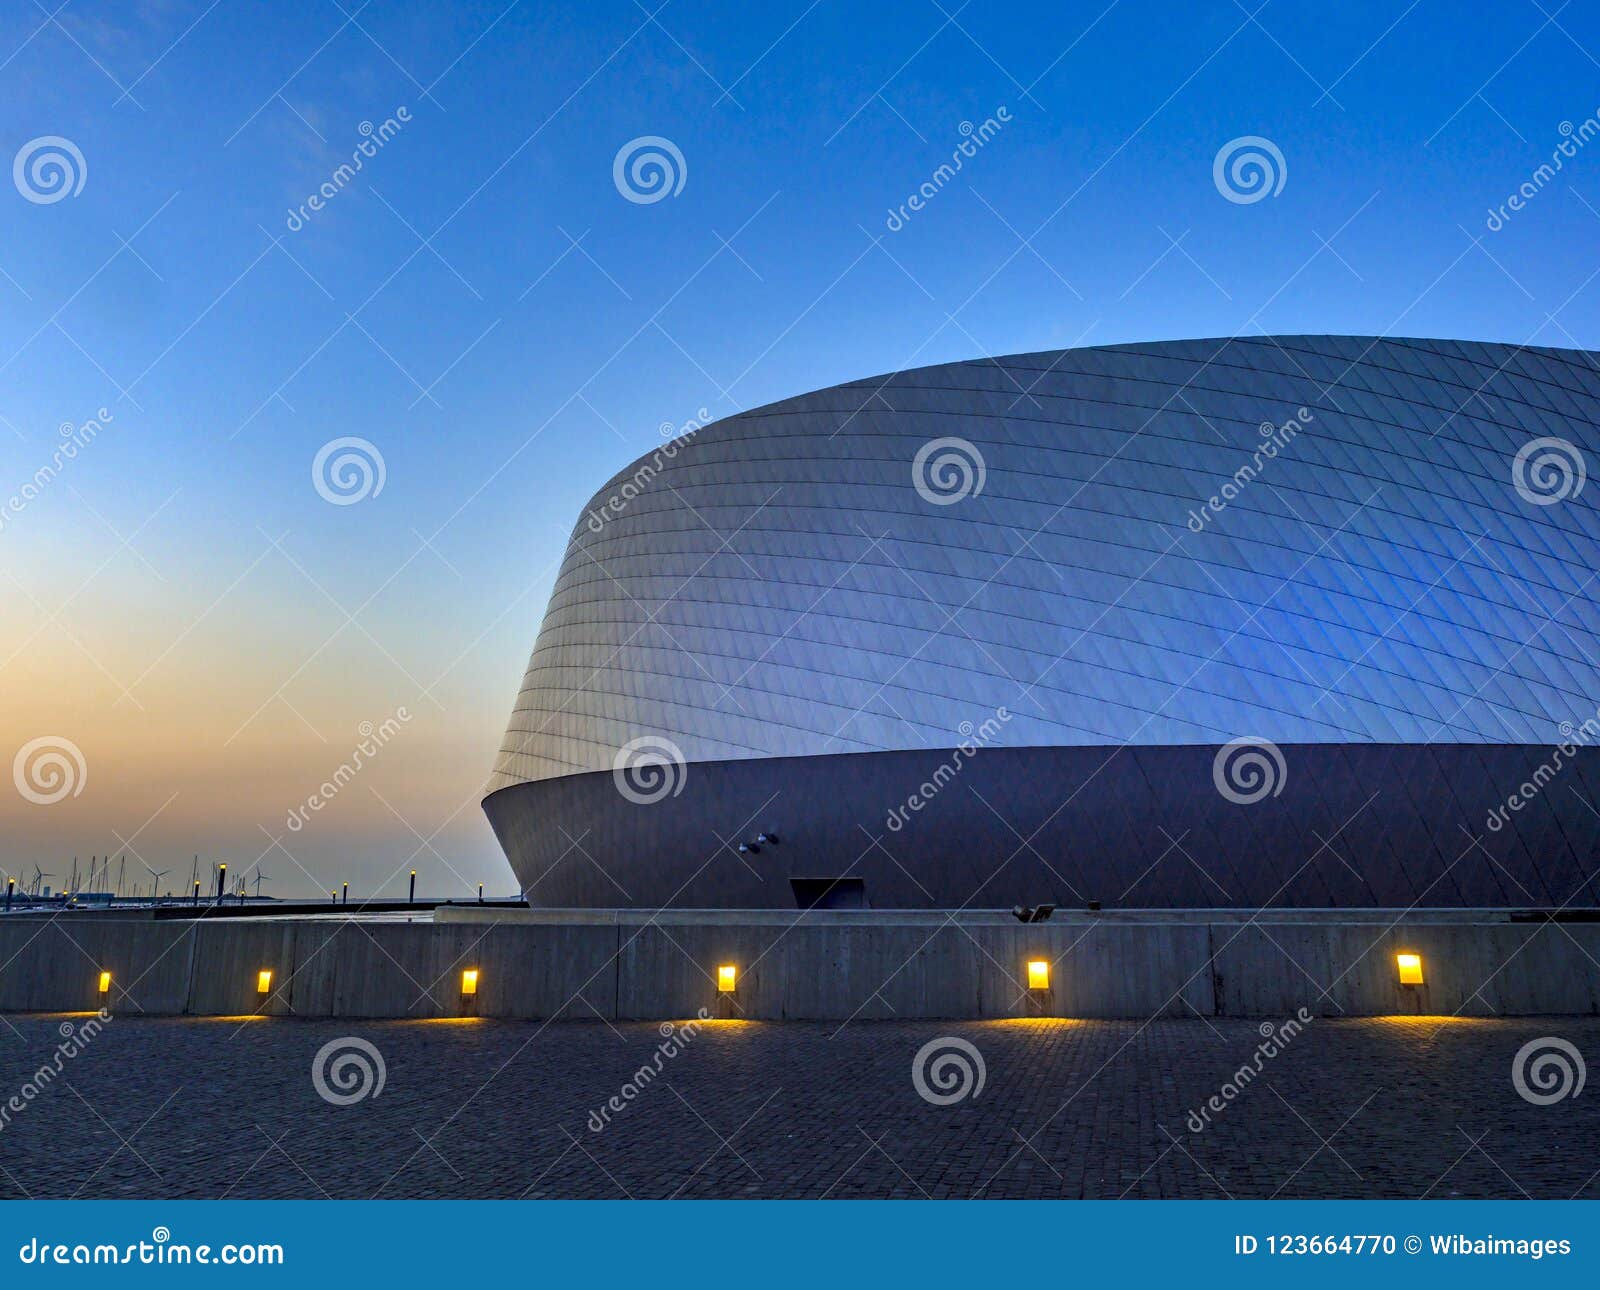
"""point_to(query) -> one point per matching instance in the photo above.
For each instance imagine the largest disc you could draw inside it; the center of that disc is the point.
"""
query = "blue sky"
(485, 306)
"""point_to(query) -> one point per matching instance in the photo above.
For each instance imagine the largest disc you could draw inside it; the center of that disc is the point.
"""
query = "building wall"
(839, 967)
(777, 585)
(1351, 826)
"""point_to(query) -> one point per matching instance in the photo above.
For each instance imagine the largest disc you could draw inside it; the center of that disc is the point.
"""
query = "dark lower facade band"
(1349, 826)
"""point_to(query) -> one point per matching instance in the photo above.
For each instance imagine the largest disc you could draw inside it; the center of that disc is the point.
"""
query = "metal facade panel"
(776, 585)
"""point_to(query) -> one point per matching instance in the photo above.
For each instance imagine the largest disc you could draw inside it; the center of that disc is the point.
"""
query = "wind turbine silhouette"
(156, 875)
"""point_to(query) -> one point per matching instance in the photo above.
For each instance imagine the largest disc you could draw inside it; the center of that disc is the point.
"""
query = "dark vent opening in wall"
(830, 893)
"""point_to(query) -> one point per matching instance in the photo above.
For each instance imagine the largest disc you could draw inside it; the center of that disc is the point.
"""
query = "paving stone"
(181, 1107)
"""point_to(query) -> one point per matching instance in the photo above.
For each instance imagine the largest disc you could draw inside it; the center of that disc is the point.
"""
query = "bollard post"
(222, 877)
(411, 899)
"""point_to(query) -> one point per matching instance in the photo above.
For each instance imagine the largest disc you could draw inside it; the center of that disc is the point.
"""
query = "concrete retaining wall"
(822, 965)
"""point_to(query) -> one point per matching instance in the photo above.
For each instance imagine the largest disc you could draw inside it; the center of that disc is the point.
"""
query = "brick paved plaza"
(206, 1108)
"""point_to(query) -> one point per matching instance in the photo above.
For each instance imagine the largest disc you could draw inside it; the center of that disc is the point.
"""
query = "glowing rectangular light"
(469, 981)
(1038, 974)
(264, 981)
(105, 983)
(727, 974)
(1410, 966)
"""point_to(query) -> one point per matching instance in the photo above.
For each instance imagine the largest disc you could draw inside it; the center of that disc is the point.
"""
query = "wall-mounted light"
(1038, 974)
(264, 981)
(469, 981)
(727, 975)
(105, 983)
(1410, 966)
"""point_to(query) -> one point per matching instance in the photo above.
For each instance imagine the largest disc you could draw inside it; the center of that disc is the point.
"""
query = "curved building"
(1301, 620)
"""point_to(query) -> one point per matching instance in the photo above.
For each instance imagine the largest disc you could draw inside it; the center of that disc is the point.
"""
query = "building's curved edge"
(1053, 357)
